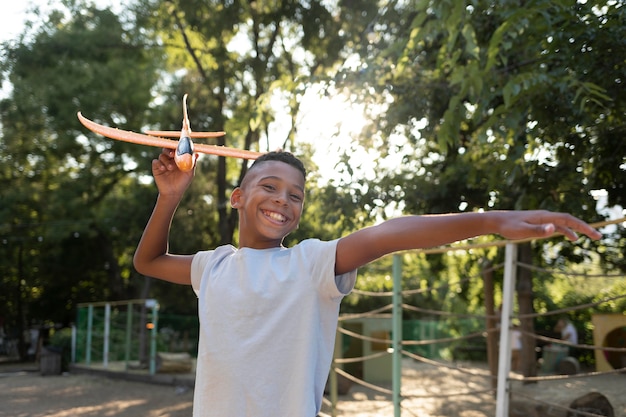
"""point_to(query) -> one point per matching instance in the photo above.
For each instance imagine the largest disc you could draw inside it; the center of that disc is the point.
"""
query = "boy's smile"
(275, 216)
(269, 202)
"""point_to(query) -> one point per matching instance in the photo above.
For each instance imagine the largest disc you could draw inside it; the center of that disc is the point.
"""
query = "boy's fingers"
(568, 233)
(581, 227)
(565, 224)
(571, 226)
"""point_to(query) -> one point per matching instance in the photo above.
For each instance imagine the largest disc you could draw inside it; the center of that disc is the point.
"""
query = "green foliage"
(498, 106)
(518, 101)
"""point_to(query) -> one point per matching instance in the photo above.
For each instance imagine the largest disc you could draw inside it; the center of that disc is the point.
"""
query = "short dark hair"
(281, 156)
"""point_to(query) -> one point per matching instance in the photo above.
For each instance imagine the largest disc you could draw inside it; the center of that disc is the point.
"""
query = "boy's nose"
(281, 198)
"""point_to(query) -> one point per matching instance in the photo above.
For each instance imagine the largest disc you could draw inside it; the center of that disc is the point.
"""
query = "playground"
(106, 381)
(25, 393)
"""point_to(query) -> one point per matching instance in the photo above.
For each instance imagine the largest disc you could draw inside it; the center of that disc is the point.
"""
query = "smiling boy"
(268, 314)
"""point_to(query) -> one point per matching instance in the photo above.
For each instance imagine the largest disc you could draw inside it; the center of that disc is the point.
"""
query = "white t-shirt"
(268, 321)
(516, 339)
(569, 333)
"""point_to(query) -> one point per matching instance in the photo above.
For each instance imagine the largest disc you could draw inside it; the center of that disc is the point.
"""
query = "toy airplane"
(185, 148)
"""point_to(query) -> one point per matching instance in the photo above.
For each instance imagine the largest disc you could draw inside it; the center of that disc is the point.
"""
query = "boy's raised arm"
(416, 232)
(152, 257)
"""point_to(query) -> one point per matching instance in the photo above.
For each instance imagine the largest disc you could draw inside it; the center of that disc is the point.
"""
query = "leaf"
(471, 47)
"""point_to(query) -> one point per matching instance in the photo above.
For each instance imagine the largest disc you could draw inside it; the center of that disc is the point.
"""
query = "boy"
(268, 314)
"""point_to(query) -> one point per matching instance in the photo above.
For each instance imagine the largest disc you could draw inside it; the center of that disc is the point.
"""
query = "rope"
(578, 307)
(456, 394)
(362, 337)
(423, 290)
(566, 343)
(440, 287)
(444, 313)
(569, 274)
(411, 292)
(362, 358)
(427, 361)
(559, 377)
(444, 340)
(345, 317)
(361, 382)
(372, 293)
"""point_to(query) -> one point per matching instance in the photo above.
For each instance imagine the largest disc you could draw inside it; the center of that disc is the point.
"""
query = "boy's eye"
(269, 187)
(296, 197)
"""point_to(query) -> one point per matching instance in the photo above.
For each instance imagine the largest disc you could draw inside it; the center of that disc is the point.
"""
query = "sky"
(12, 14)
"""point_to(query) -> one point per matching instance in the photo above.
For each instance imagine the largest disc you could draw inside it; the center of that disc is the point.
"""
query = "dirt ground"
(25, 393)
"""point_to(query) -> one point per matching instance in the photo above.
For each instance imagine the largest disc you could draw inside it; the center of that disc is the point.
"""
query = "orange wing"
(176, 134)
(141, 139)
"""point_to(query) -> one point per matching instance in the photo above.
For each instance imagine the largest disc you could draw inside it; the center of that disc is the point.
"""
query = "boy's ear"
(235, 198)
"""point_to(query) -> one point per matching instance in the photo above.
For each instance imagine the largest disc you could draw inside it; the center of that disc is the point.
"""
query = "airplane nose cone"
(185, 145)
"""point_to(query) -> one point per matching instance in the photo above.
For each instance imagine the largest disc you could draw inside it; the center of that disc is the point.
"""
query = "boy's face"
(270, 202)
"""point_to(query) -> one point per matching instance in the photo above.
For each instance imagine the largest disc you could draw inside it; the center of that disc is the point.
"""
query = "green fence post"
(153, 333)
(397, 334)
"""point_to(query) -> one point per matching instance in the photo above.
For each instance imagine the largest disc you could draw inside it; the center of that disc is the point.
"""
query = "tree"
(500, 105)
(61, 240)
(504, 105)
(241, 58)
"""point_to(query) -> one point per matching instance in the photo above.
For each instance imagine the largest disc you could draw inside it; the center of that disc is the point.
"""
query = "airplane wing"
(176, 134)
(141, 139)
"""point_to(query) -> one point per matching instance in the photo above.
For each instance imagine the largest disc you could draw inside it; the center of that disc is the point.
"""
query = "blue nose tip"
(185, 146)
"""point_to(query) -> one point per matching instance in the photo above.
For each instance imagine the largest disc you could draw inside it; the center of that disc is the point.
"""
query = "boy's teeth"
(276, 216)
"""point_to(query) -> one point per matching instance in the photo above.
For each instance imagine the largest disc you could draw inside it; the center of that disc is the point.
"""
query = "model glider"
(185, 148)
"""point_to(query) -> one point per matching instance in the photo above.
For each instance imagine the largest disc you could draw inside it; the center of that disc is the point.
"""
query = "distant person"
(567, 331)
(268, 313)
(516, 348)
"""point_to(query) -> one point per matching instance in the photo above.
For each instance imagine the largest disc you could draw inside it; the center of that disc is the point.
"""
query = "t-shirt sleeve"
(198, 264)
(325, 255)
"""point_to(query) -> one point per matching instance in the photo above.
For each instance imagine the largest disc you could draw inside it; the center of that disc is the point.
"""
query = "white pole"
(107, 331)
(504, 361)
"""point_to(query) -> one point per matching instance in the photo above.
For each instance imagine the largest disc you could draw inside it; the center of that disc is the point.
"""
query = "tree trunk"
(525, 302)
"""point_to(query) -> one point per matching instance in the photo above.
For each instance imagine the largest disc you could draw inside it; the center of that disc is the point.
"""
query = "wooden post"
(525, 302)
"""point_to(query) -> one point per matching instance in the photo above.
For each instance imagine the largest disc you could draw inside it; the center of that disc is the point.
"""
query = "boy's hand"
(542, 223)
(170, 180)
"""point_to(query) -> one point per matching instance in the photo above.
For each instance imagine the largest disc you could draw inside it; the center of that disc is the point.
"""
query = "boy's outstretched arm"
(152, 257)
(417, 232)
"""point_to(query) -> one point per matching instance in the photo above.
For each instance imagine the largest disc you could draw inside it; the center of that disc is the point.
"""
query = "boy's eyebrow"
(274, 177)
